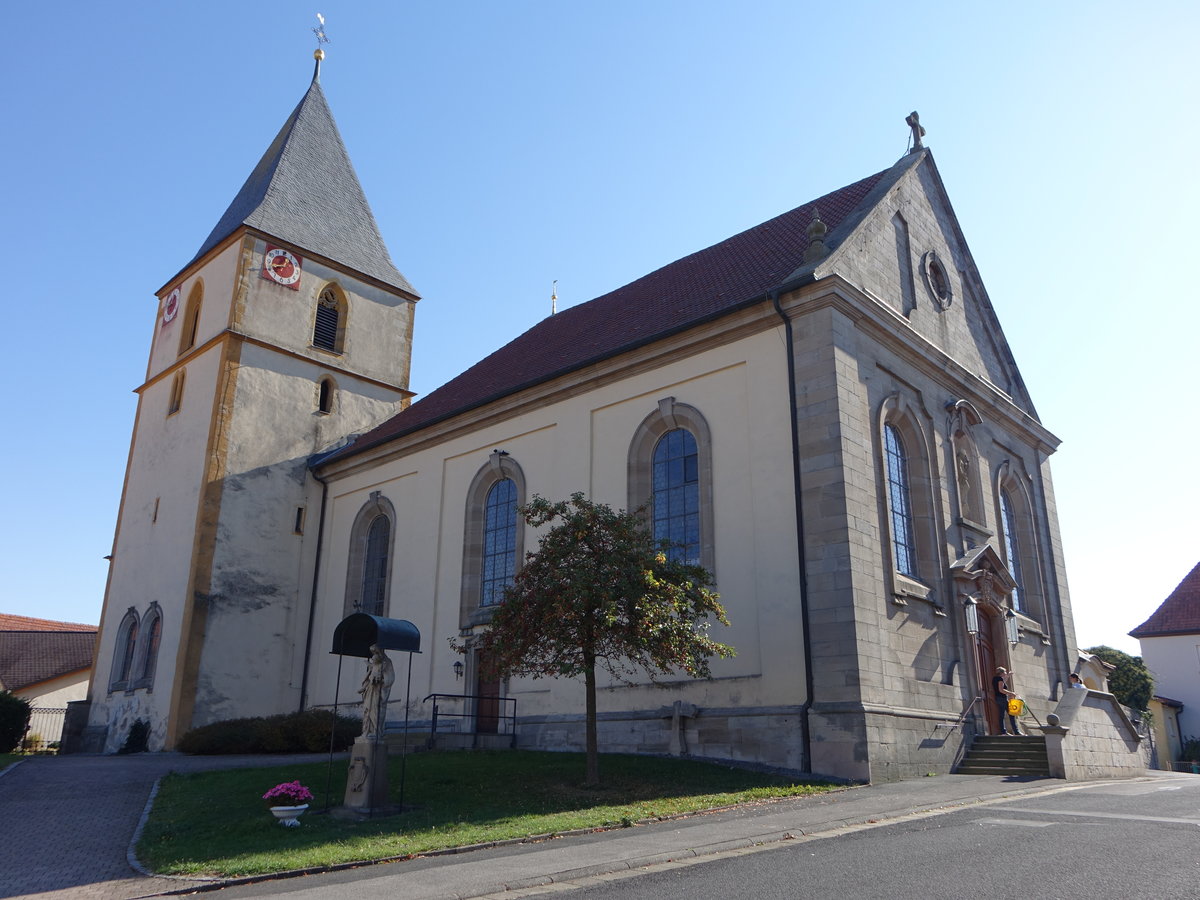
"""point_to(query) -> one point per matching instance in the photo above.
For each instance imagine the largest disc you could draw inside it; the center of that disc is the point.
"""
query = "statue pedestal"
(367, 781)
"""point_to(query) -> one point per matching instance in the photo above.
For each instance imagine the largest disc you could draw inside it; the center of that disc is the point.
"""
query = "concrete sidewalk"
(53, 846)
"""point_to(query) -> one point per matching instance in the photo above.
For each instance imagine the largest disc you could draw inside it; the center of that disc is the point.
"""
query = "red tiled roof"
(24, 623)
(1179, 613)
(27, 657)
(704, 285)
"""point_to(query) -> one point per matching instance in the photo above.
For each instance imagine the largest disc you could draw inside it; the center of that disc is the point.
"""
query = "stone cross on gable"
(918, 132)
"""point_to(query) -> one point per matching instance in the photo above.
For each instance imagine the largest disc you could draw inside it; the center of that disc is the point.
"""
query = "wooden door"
(487, 702)
(987, 671)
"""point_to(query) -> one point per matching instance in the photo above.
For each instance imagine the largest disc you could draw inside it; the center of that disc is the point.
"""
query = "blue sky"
(503, 146)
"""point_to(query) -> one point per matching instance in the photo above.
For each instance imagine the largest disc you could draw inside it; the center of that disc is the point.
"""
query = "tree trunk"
(593, 753)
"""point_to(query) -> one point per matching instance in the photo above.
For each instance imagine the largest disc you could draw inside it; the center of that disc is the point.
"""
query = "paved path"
(66, 822)
(53, 847)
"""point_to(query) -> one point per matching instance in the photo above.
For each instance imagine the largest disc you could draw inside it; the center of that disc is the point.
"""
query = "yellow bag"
(1016, 706)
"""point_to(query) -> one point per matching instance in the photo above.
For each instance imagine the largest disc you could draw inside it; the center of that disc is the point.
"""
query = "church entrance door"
(987, 669)
(487, 702)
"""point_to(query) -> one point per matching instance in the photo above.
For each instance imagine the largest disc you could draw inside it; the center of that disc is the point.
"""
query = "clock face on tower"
(282, 267)
(171, 306)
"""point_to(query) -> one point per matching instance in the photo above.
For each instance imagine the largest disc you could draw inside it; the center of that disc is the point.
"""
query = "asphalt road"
(1116, 840)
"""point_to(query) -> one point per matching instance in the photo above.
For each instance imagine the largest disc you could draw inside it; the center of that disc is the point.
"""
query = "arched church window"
(330, 324)
(493, 537)
(499, 541)
(176, 400)
(122, 668)
(375, 567)
(675, 507)
(325, 392)
(1012, 547)
(147, 656)
(369, 568)
(191, 318)
(904, 550)
(670, 473)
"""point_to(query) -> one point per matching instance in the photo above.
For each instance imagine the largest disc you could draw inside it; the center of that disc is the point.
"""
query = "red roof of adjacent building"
(738, 271)
(24, 623)
(1179, 613)
(34, 650)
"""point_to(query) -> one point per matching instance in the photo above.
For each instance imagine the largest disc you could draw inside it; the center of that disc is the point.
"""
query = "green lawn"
(215, 822)
(7, 759)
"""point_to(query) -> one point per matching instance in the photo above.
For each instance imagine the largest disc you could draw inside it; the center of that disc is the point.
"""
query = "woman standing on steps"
(1003, 693)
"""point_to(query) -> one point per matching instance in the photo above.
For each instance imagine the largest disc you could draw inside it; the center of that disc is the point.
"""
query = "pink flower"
(290, 793)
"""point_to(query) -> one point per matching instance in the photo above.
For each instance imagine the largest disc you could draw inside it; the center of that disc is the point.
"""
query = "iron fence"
(44, 731)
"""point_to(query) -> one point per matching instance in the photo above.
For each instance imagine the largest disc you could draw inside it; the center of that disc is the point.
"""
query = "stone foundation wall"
(1090, 736)
(767, 736)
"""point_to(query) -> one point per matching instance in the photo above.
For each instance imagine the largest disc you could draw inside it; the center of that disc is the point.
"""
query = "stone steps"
(1003, 755)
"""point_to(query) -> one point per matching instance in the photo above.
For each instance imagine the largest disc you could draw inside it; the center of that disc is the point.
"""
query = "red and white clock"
(170, 306)
(282, 267)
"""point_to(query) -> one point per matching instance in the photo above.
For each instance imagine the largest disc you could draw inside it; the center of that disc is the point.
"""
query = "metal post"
(404, 747)
(332, 729)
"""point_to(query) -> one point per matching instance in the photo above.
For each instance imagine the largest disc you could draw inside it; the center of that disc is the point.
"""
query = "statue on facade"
(376, 687)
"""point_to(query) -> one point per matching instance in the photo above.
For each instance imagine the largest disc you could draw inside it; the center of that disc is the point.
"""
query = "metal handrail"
(471, 713)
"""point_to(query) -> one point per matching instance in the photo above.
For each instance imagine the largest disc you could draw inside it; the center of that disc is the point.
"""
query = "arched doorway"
(990, 646)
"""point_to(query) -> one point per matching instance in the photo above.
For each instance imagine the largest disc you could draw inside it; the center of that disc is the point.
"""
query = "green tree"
(1131, 682)
(14, 717)
(600, 591)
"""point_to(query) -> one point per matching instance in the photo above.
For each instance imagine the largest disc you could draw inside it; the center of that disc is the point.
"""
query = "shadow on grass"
(216, 822)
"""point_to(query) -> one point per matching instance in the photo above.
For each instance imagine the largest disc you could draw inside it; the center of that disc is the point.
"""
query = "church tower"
(290, 329)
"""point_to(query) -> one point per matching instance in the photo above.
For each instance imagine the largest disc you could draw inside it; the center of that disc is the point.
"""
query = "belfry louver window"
(329, 314)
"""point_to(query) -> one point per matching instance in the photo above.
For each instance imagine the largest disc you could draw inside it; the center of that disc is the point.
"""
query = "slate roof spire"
(304, 191)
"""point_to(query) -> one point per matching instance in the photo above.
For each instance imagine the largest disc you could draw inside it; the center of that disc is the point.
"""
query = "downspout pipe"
(805, 736)
(312, 600)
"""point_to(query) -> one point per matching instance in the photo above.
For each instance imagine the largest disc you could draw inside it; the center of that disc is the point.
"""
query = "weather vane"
(319, 31)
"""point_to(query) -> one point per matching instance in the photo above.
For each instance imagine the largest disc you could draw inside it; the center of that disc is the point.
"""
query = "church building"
(822, 410)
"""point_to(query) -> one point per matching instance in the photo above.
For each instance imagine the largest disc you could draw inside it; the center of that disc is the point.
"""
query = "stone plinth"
(367, 780)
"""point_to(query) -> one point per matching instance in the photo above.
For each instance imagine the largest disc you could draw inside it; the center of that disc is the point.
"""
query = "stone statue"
(376, 687)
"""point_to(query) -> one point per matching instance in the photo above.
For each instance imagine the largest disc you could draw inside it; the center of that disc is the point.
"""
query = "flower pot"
(288, 815)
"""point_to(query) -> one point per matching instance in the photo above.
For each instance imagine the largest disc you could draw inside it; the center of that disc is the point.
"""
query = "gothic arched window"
(191, 318)
(147, 656)
(122, 668)
(175, 403)
(904, 549)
